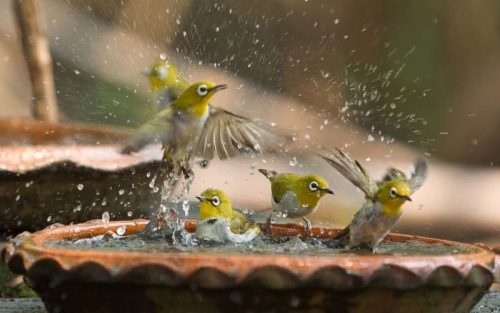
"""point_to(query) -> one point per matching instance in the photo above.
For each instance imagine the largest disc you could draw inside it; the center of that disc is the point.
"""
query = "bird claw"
(268, 225)
(307, 227)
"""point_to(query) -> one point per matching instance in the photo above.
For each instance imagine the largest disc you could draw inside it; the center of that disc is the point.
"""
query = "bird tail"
(268, 173)
(343, 236)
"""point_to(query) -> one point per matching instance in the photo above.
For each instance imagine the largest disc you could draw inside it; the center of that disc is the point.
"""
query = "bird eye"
(215, 201)
(393, 193)
(202, 90)
(313, 186)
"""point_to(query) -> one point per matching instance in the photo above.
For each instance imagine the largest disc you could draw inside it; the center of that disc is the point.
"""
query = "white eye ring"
(393, 193)
(313, 186)
(215, 201)
(202, 90)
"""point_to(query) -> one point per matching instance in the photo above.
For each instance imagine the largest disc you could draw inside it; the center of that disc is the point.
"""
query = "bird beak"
(327, 190)
(146, 72)
(218, 87)
(200, 198)
(407, 198)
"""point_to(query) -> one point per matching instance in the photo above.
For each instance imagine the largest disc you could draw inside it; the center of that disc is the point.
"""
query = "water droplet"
(293, 161)
(79, 187)
(49, 218)
(120, 231)
(217, 29)
(121, 192)
(370, 138)
(129, 213)
(77, 72)
(336, 21)
(393, 105)
(105, 217)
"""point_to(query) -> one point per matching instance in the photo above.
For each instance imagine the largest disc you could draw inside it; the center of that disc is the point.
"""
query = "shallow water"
(261, 245)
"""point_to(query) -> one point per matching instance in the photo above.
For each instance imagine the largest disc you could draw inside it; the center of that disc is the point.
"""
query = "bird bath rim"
(27, 255)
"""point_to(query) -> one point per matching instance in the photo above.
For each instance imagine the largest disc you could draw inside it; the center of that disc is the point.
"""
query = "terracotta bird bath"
(65, 173)
(93, 280)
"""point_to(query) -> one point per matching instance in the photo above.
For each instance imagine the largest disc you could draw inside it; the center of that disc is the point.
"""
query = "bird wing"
(418, 174)
(281, 184)
(353, 171)
(226, 134)
(157, 129)
(240, 222)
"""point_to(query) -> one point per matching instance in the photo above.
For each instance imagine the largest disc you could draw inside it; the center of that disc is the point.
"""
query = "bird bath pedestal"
(90, 280)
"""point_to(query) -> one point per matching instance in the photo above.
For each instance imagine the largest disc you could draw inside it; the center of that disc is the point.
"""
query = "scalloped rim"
(30, 258)
(15, 160)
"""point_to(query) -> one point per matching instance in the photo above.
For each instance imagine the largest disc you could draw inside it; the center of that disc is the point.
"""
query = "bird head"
(198, 94)
(162, 74)
(214, 204)
(310, 188)
(393, 194)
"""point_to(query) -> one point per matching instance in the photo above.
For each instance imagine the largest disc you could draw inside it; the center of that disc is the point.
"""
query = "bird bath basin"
(64, 173)
(74, 279)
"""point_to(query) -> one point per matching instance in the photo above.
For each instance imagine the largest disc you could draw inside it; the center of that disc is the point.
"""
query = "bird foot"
(307, 227)
(268, 226)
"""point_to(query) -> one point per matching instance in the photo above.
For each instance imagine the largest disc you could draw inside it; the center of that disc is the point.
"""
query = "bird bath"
(69, 173)
(78, 279)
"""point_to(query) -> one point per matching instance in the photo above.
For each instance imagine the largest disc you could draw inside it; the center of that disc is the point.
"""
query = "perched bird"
(294, 195)
(219, 222)
(189, 127)
(166, 81)
(384, 200)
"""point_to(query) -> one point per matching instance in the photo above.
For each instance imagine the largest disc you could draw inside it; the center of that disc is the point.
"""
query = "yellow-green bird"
(384, 200)
(189, 127)
(219, 222)
(295, 195)
(166, 81)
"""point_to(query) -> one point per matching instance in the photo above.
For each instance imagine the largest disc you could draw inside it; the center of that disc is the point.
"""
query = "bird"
(384, 200)
(165, 81)
(219, 222)
(295, 195)
(189, 127)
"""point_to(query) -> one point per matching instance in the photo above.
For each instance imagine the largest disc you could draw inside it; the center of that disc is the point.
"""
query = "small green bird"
(166, 81)
(384, 200)
(219, 222)
(189, 127)
(295, 196)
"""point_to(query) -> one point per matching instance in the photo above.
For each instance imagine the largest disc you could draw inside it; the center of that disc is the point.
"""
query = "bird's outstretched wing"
(418, 174)
(226, 134)
(157, 129)
(353, 171)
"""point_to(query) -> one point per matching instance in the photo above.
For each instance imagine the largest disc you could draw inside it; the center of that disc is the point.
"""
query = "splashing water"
(105, 217)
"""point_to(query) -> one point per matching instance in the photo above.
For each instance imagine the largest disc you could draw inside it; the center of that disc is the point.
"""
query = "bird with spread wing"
(190, 127)
(384, 200)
